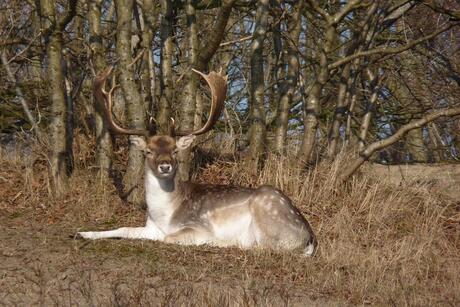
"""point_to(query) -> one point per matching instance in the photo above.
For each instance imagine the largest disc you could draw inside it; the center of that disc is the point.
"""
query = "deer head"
(161, 150)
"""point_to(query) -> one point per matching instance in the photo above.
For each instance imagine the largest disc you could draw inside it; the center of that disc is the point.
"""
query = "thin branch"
(395, 12)
(453, 14)
(25, 49)
(20, 95)
(333, 20)
(236, 41)
(350, 6)
(314, 5)
(136, 58)
(388, 50)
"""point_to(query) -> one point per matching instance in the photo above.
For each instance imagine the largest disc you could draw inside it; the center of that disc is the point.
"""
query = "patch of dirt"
(44, 266)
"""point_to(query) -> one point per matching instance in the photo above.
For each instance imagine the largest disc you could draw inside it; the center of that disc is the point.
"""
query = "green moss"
(15, 215)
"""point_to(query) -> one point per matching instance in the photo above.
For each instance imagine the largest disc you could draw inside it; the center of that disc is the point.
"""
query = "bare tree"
(311, 108)
(288, 87)
(60, 159)
(257, 88)
(166, 73)
(103, 139)
(199, 57)
(133, 100)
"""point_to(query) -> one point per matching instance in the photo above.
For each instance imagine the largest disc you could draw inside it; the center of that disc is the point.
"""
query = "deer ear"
(185, 141)
(138, 142)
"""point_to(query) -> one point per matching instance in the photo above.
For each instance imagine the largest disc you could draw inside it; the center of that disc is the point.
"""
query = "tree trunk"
(149, 27)
(349, 136)
(37, 74)
(199, 57)
(104, 147)
(187, 114)
(257, 86)
(416, 146)
(434, 143)
(60, 139)
(166, 74)
(290, 84)
(340, 111)
(60, 162)
(369, 108)
(312, 104)
(276, 64)
(134, 105)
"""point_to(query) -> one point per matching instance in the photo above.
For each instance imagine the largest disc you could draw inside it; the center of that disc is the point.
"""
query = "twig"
(20, 95)
(137, 58)
(236, 41)
(25, 49)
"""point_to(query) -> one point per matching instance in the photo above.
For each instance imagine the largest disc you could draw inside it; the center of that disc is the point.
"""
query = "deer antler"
(104, 104)
(218, 85)
(215, 80)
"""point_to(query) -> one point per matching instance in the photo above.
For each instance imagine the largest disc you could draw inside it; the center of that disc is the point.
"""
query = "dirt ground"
(44, 266)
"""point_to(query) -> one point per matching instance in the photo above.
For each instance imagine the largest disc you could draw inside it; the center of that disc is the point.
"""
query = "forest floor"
(381, 245)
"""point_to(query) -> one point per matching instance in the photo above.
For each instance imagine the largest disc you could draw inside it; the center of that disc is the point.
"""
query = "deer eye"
(175, 151)
(149, 153)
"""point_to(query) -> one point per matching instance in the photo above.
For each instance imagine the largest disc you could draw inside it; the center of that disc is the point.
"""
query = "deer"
(187, 213)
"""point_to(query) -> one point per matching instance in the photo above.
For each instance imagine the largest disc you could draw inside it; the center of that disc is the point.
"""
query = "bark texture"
(312, 104)
(199, 58)
(257, 86)
(60, 136)
(166, 74)
(292, 76)
(133, 100)
(148, 28)
(187, 114)
(104, 147)
(369, 109)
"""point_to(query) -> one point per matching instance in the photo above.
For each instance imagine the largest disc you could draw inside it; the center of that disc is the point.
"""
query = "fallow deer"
(190, 213)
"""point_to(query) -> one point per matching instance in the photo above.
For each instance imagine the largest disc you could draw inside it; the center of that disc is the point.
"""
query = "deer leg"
(149, 233)
(189, 236)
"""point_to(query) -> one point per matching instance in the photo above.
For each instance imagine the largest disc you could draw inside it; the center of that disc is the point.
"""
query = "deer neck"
(160, 195)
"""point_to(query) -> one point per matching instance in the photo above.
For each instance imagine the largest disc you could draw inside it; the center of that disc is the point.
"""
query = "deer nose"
(164, 168)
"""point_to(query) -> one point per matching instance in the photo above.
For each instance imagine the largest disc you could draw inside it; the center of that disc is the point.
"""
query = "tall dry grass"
(379, 243)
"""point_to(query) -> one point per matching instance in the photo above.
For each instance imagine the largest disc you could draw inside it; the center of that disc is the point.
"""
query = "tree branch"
(20, 96)
(370, 149)
(454, 15)
(216, 35)
(69, 15)
(63, 21)
(389, 50)
(350, 6)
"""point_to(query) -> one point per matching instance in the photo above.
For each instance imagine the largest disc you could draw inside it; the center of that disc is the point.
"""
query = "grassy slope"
(378, 244)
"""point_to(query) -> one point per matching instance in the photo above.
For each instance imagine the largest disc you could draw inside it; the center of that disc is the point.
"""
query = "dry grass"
(379, 243)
